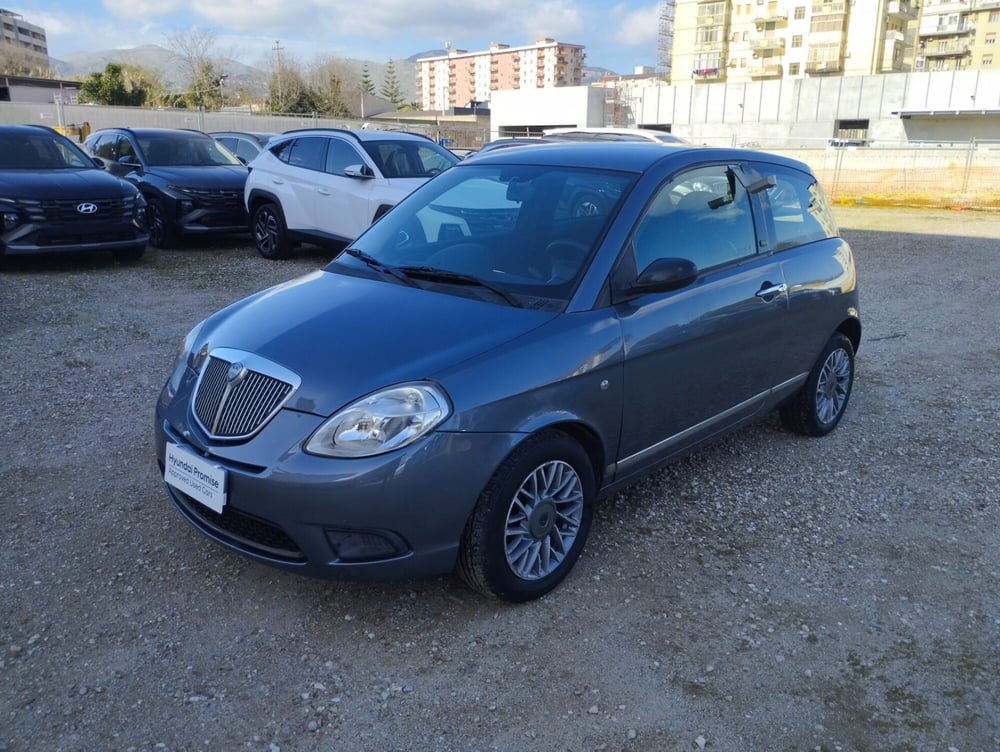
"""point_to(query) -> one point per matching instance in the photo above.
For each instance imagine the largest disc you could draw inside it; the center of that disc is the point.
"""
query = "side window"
(244, 150)
(229, 142)
(306, 152)
(702, 215)
(340, 156)
(798, 207)
(125, 148)
(105, 146)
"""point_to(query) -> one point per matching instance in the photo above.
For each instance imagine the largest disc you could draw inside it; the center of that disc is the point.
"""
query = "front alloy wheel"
(531, 521)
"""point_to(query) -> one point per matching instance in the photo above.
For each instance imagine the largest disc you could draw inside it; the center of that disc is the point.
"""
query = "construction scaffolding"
(666, 44)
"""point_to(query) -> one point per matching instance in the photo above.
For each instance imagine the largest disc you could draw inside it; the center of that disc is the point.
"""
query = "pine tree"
(390, 86)
(366, 81)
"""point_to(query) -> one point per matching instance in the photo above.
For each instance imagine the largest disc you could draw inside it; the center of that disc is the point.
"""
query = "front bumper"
(396, 515)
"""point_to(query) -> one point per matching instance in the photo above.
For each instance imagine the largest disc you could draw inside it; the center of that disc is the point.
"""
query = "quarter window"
(799, 208)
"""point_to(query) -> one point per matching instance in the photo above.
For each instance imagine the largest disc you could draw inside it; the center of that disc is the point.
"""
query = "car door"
(801, 233)
(344, 203)
(300, 181)
(701, 358)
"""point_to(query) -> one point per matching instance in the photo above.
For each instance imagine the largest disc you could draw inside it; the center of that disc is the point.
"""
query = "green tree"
(288, 92)
(367, 86)
(112, 87)
(334, 83)
(390, 86)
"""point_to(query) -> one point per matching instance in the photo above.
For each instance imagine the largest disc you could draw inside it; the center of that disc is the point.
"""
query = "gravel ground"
(770, 593)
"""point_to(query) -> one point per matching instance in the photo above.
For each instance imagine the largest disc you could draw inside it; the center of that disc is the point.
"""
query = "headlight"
(381, 422)
(186, 359)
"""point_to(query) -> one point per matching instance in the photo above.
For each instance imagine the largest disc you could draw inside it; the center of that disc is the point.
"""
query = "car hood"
(207, 176)
(348, 336)
(62, 184)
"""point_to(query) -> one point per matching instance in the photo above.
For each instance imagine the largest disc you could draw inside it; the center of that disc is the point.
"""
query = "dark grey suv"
(458, 388)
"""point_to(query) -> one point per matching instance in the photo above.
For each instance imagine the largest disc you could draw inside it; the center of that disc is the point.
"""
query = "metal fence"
(938, 173)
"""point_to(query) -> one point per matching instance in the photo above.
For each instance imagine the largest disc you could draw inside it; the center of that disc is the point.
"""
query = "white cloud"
(638, 27)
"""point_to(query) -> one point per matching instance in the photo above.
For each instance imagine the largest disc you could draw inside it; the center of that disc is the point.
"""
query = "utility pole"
(277, 71)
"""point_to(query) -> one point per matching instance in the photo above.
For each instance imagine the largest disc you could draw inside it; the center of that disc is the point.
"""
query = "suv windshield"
(408, 159)
(527, 231)
(183, 150)
(40, 151)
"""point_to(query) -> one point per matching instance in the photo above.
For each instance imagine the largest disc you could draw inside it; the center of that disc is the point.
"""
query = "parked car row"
(321, 186)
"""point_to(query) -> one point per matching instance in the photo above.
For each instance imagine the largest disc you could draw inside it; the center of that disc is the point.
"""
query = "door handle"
(768, 291)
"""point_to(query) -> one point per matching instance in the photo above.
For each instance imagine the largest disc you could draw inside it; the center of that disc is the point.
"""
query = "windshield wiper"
(378, 266)
(443, 275)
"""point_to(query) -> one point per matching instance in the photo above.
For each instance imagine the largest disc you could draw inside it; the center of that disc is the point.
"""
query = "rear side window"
(798, 206)
(308, 153)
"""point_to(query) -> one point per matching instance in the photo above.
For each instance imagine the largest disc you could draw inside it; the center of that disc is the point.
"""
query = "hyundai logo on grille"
(86, 208)
(236, 372)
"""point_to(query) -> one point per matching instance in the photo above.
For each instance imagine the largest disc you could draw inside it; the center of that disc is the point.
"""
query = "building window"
(796, 40)
(994, 16)
(800, 12)
(987, 61)
(990, 39)
(793, 69)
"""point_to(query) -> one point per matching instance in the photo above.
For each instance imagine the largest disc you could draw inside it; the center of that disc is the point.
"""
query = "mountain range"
(253, 80)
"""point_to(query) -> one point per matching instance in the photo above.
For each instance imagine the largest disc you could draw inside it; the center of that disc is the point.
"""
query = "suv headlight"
(381, 422)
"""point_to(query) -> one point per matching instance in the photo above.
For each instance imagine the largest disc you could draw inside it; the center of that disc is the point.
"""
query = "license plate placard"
(201, 480)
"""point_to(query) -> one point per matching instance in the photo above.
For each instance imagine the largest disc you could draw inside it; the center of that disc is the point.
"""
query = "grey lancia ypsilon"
(521, 336)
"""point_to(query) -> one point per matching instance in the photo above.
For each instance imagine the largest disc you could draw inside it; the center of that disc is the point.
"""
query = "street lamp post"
(222, 96)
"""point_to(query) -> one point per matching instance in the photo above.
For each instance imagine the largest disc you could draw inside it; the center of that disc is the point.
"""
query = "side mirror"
(359, 171)
(130, 162)
(664, 275)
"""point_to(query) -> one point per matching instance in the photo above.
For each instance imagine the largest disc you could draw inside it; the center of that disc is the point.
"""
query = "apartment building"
(715, 40)
(461, 78)
(958, 34)
(20, 38)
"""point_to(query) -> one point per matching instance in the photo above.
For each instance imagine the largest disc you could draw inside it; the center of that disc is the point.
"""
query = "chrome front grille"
(237, 394)
(216, 198)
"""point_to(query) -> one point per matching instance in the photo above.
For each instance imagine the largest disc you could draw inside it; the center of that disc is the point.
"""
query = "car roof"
(361, 134)
(175, 132)
(629, 156)
(610, 131)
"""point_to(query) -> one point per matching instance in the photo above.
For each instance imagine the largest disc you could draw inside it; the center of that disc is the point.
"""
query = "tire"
(818, 406)
(530, 522)
(162, 232)
(269, 232)
(128, 255)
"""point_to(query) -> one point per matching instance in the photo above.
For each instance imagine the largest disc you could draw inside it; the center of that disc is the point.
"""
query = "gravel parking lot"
(770, 593)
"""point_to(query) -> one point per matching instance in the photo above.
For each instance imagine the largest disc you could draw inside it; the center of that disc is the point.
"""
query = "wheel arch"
(851, 328)
(258, 197)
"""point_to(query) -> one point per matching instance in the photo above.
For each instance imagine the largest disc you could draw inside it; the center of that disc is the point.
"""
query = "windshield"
(525, 232)
(409, 159)
(20, 150)
(184, 150)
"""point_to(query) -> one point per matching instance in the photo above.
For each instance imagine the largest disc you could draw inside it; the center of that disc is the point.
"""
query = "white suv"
(325, 185)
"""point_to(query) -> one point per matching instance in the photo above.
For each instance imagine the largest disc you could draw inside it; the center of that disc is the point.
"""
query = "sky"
(617, 35)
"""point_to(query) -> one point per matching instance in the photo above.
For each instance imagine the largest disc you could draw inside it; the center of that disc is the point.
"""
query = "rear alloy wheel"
(162, 233)
(818, 406)
(269, 233)
(531, 522)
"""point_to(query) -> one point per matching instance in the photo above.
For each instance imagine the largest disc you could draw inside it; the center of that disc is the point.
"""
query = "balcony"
(824, 66)
(902, 9)
(765, 71)
(770, 16)
(952, 29)
(946, 49)
(768, 44)
(829, 9)
(708, 74)
(710, 20)
(710, 46)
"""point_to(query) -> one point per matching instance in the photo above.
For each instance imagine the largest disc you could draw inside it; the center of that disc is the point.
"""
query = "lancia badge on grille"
(86, 208)
(236, 372)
